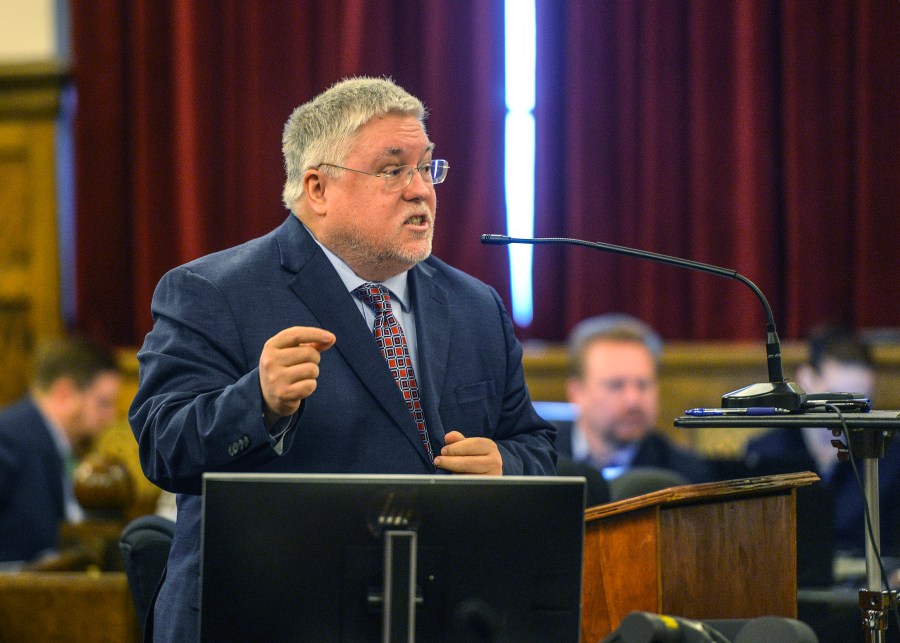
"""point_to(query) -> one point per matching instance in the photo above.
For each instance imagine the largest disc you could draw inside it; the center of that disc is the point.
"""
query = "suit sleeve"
(198, 407)
(525, 440)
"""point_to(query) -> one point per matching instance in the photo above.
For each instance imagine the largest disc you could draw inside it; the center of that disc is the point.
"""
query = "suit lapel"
(321, 290)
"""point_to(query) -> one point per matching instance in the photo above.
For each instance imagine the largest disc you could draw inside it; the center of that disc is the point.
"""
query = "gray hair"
(323, 129)
(614, 327)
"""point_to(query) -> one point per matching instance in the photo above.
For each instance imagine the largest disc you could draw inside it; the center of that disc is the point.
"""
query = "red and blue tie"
(392, 342)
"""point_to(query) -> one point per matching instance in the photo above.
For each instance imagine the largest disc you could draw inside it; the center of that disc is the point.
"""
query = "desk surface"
(873, 420)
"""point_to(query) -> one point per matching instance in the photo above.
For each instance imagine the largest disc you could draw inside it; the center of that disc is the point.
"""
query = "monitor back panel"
(301, 557)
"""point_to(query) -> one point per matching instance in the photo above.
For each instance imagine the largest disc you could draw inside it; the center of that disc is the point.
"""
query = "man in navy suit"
(262, 359)
(72, 399)
(614, 387)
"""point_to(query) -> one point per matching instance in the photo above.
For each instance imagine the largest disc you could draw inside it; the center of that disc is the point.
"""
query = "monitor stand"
(398, 599)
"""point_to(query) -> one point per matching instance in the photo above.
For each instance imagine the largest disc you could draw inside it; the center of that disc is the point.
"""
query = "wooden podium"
(705, 551)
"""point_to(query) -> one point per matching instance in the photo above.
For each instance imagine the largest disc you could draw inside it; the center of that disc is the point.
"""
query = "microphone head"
(495, 239)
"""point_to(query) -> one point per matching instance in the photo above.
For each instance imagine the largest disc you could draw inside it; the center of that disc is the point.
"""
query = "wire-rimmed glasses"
(397, 178)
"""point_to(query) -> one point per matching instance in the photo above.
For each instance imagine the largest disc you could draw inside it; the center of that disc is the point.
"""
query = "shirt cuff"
(281, 428)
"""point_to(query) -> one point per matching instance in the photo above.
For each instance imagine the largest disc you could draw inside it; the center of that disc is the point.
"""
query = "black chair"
(641, 480)
(145, 544)
(597, 491)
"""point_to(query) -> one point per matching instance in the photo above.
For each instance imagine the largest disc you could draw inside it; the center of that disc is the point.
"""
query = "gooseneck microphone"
(776, 392)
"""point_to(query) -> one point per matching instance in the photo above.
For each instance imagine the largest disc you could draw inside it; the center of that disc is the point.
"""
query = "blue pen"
(752, 410)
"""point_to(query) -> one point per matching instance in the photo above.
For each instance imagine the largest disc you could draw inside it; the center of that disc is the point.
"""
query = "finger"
(320, 338)
(273, 362)
(284, 397)
(458, 464)
(299, 390)
(295, 373)
(453, 436)
(467, 446)
(467, 464)
(276, 379)
(292, 394)
(325, 344)
(293, 355)
(471, 456)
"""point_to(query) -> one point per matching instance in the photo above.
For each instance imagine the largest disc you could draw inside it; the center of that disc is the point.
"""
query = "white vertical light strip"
(520, 55)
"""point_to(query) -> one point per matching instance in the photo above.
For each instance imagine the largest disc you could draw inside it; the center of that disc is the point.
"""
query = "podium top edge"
(706, 492)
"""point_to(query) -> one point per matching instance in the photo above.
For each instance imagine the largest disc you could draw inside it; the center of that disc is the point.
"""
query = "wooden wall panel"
(29, 252)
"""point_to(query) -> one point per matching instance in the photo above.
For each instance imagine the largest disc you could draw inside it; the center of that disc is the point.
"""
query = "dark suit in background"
(653, 450)
(784, 451)
(32, 501)
(199, 406)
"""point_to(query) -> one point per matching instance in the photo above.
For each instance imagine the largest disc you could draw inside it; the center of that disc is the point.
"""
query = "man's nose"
(418, 187)
(633, 391)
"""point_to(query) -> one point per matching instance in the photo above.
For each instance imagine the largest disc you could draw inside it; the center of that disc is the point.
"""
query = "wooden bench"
(65, 607)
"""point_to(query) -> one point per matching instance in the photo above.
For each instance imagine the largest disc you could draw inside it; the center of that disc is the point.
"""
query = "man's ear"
(573, 390)
(314, 184)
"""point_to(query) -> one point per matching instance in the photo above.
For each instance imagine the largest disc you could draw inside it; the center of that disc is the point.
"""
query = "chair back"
(641, 480)
(145, 544)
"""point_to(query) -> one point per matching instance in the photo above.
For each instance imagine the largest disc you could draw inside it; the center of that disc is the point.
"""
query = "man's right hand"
(288, 368)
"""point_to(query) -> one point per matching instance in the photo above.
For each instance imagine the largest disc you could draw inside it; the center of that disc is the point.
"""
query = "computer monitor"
(317, 557)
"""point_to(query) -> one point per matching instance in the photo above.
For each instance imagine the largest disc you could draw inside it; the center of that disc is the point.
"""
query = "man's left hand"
(478, 456)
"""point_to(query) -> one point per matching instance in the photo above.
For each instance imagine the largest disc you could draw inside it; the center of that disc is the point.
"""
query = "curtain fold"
(748, 134)
(181, 108)
(756, 135)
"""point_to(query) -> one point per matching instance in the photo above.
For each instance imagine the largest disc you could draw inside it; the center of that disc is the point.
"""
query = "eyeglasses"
(399, 177)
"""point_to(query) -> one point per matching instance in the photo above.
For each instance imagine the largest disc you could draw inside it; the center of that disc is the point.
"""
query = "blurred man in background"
(613, 361)
(72, 398)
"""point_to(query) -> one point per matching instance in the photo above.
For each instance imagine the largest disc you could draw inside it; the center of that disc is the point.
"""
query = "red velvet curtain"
(757, 135)
(181, 108)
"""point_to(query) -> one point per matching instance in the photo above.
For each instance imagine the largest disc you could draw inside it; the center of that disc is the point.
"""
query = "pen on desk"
(752, 410)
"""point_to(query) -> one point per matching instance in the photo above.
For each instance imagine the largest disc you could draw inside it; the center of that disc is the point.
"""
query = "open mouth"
(417, 219)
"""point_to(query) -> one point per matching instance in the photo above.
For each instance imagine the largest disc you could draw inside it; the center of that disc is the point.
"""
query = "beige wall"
(28, 31)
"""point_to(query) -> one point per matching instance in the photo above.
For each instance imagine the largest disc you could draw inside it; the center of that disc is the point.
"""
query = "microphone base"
(782, 395)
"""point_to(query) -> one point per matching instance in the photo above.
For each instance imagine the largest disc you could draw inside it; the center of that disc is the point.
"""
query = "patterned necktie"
(392, 342)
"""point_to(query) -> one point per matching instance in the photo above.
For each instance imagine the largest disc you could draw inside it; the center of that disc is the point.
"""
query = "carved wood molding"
(31, 90)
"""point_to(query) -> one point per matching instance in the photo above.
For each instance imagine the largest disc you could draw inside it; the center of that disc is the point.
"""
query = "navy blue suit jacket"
(199, 406)
(32, 503)
(654, 450)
